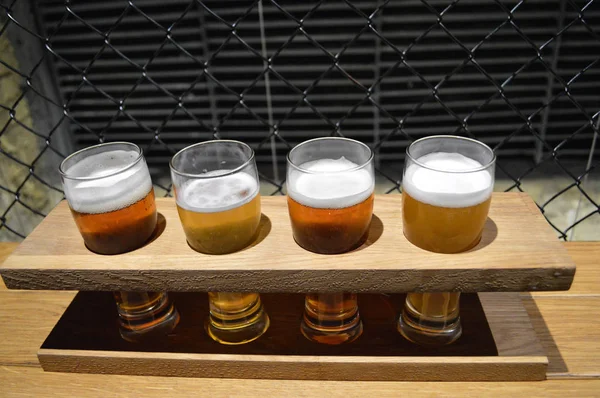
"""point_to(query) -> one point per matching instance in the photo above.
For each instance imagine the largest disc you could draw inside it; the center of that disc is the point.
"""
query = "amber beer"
(330, 202)
(110, 195)
(220, 214)
(445, 202)
(331, 318)
(313, 228)
(121, 230)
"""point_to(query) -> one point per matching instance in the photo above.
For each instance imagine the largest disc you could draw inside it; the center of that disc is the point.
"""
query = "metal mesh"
(393, 51)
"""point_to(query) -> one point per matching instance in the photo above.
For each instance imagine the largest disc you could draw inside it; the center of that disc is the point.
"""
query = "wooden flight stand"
(518, 252)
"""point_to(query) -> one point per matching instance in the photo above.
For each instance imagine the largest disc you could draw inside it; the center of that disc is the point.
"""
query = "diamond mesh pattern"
(402, 59)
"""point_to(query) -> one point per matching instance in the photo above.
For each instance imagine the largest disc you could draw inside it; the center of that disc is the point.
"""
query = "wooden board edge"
(291, 281)
(529, 202)
(295, 367)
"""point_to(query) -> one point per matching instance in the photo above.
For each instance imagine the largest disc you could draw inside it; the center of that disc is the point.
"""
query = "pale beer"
(445, 202)
(219, 209)
(219, 215)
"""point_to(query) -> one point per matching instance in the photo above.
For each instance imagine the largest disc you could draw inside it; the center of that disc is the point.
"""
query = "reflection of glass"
(330, 200)
(109, 191)
(447, 187)
(216, 189)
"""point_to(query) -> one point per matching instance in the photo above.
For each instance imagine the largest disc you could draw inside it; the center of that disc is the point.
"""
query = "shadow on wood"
(90, 323)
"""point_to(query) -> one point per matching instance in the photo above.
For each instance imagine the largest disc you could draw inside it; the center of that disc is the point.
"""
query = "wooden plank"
(26, 318)
(569, 330)
(510, 325)
(33, 382)
(514, 368)
(518, 252)
(379, 354)
(6, 248)
(587, 278)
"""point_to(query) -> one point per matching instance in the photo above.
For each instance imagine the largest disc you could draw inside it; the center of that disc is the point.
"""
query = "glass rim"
(64, 173)
(454, 137)
(211, 142)
(358, 167)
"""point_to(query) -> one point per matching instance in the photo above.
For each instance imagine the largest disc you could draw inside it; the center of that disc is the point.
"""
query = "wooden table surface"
(567, 323)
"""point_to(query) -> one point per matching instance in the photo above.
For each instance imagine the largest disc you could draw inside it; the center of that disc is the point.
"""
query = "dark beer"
(330, 202)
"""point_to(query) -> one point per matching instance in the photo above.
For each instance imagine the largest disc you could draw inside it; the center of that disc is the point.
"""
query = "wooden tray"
(518, 252)
(498, 344)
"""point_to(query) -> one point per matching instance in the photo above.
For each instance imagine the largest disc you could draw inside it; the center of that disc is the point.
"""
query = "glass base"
(331, 318)
(234, 328)
(431, 334)
(337, 336)
(157, 320)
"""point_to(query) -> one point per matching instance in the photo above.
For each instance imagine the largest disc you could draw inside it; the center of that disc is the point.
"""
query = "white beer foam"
(447, 189)
(333, 186)
(107, 192)
(216, 194)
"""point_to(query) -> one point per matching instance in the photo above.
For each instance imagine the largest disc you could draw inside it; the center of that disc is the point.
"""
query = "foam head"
(109, 190)
(220, 193)
(448, 188)
(330, 184)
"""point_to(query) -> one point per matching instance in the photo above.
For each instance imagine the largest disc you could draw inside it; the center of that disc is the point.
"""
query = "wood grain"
(518, 252)
(26, 318)
(510, 325)
(6, 248)
(569, 330)
(33, 382)
(587, 257)
(521, 358)
(296, 367)
(18, 381)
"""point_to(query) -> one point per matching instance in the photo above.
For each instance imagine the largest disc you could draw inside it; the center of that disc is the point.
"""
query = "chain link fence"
(522, 76)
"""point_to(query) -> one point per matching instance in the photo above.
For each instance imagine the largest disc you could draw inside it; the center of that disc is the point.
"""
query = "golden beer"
(330, 202)
(445, 202)
(221, 232)
(110, 195)
(443, 229)
(220, 213)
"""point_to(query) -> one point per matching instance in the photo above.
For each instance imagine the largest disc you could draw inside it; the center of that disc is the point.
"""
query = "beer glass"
(330, 188)
(446, 194)
(110, 194)
(216, 189)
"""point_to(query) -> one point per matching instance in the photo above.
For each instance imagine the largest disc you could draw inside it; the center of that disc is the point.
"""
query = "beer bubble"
(220, 193)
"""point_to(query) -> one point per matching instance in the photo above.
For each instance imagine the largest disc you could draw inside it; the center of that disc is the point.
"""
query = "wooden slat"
(26, 318)
(569, 330)
(33, 382)
(510, 325)
(518, 252)
(562, 322)
(6, 248)
(587, 278)
(516, 368)
(520, 356)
